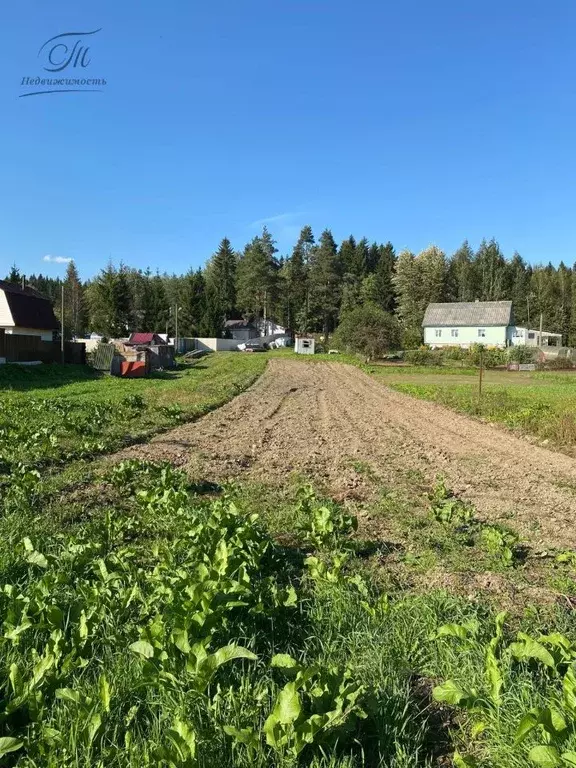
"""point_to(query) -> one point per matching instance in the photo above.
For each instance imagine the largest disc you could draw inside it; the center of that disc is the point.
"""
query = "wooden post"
(540, 334)
(480, 378)
(62, 347)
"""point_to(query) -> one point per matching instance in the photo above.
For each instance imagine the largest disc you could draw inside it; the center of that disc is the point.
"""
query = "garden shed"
(304, 345)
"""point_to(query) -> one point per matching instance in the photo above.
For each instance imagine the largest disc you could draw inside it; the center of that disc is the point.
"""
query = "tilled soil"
(320, 419)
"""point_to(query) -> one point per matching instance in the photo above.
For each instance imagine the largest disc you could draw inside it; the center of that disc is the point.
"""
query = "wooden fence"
(27, 349)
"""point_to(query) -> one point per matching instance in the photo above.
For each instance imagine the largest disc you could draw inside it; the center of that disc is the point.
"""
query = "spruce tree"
(461, 282)
(383, 273)
(406, 279)
(74, 304)
(347, 255)
(362, 258)
(256, 278)
(221, 279)
(109, 302)
(325, 282)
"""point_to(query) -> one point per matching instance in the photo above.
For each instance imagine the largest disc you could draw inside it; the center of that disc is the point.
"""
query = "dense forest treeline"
(312, 288)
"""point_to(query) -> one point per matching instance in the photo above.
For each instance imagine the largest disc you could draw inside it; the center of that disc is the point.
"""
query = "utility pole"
(176, 330)
(62, 347)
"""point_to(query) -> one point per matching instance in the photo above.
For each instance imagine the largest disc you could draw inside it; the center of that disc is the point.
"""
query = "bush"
(491, 356)
(556, 364)
(455, 353)
(424, 356)
(411, 338)
(367, 330)
(522, 354)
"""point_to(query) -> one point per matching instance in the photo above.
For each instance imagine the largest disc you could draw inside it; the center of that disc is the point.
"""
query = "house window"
(438, 333)
(454, 333)
(481, 333)
(531, 335)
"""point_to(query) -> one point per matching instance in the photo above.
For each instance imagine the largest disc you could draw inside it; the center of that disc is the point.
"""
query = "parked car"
(252, 346)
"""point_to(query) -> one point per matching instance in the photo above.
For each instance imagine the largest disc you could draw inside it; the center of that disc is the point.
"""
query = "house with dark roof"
(241, 330)
(463, 323)
(25, 312)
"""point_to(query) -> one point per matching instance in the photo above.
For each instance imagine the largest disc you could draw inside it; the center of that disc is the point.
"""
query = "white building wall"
(217, 345)
(17, 331)
(5, 314)
(465, 336)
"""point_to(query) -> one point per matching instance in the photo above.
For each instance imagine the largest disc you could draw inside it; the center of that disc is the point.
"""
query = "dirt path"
(319, 419)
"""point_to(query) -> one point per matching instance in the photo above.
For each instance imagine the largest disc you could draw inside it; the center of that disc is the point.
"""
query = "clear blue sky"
(412, 121)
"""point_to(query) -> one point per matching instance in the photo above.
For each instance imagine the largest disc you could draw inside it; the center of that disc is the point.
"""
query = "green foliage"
(522, 354)
(367, 330)
(447, 508)
(500, 542)
(323, 525)
(424, 356)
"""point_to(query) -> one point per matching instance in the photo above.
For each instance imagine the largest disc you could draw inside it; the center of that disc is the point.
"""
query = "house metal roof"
(29, 309)
(239, 324)
(145, 338)
(472, 313)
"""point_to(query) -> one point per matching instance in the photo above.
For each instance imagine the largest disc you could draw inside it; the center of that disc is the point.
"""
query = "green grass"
(112, 603)
(540, 404)
(53, 415)
(120, 588)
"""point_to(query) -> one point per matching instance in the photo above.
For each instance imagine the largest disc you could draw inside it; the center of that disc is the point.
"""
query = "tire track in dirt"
(319, 418)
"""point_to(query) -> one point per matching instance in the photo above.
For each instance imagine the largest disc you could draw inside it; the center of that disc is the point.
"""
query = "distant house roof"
(29, 309)
(471, 313)
(238, 324)
(145, 338)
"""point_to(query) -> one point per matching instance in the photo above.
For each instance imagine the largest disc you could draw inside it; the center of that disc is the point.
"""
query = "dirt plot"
(324, 419)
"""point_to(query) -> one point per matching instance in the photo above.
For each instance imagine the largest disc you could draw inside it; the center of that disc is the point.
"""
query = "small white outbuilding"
(304, 345)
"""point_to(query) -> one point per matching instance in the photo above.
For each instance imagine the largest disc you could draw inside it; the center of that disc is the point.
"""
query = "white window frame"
(454, 333)
(438, 333)
(481, 333)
